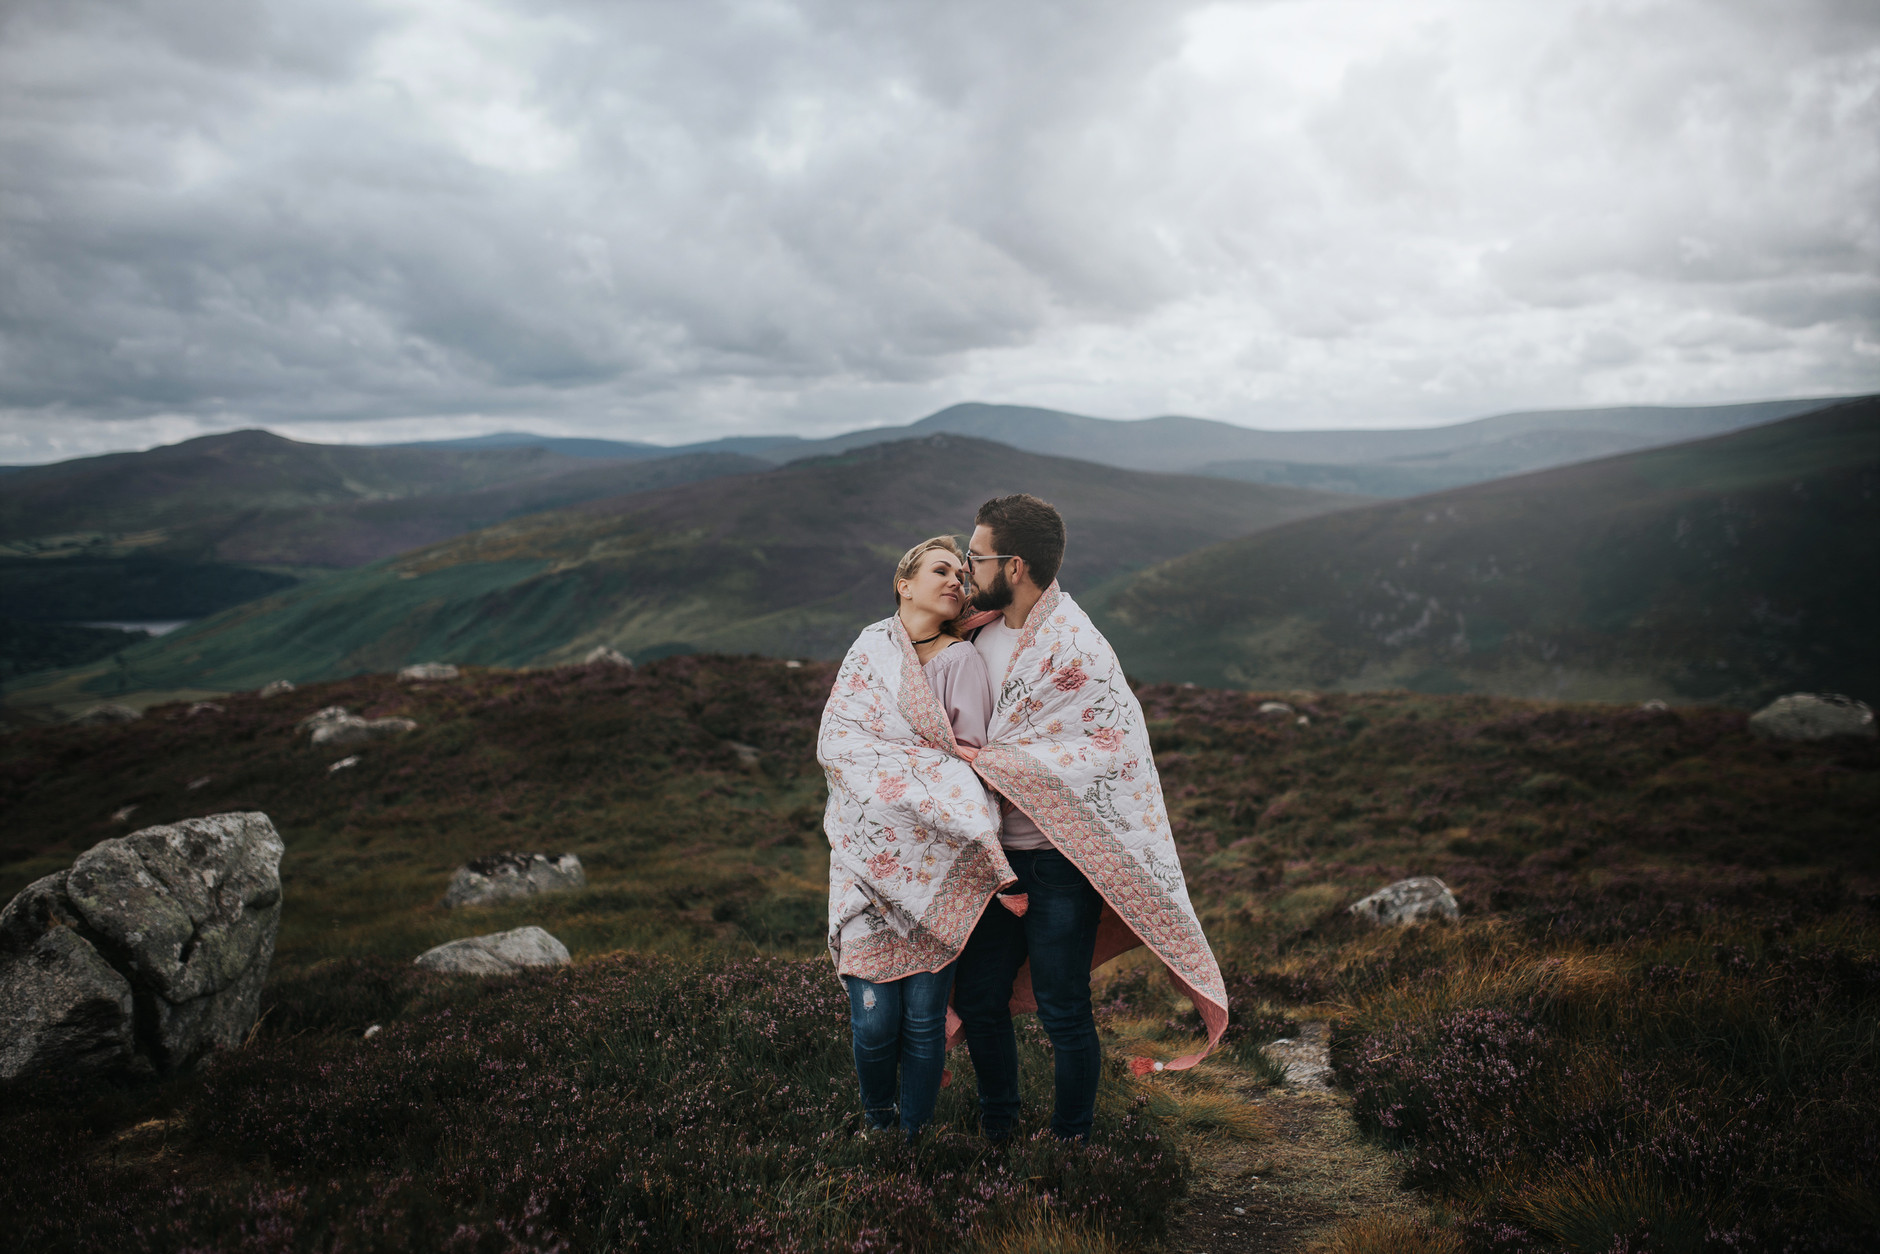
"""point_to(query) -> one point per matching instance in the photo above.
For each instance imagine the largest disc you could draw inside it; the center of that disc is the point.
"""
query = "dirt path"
(1283, 1191)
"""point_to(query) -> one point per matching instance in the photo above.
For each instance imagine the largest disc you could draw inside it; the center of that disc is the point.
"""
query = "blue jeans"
(1058, 933)
(901, 1026)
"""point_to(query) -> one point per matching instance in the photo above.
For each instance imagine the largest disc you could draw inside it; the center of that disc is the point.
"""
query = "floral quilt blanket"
(1068, 745)
(913, 837)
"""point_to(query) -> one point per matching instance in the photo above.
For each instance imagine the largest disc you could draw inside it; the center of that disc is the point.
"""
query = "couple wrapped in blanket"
(997, 829)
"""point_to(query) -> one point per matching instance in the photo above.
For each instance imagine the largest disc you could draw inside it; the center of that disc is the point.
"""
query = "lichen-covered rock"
(147, 954)
(1812, 716)
(62, 1007)
(336, 726)
(603, 656)
(1408, 901)
(424, 671)
(506, 876)
(498, 954)
(276, 688)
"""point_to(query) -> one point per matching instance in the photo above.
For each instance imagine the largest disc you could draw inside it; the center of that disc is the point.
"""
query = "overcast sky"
(356, 220)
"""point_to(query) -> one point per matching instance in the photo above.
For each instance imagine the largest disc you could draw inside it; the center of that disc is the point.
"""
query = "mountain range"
(1729, 569)
(1397, 462)
(790, 561)
(313, 561)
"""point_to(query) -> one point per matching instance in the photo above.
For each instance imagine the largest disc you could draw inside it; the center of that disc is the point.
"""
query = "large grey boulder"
(1812, 716)
(425, 671)
(336, 726)
(498, 954)
(1408, 901)
(507, 876)
(149, 952)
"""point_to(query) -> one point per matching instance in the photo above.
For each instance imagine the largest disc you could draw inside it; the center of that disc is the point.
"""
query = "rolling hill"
(789, 562)
(1725, 570)
(254, 497)
(191, 529)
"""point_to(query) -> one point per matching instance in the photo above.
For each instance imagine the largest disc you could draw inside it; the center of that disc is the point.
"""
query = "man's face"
(990, 589)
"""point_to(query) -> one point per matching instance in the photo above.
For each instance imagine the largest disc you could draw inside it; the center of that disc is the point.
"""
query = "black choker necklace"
(930, 639)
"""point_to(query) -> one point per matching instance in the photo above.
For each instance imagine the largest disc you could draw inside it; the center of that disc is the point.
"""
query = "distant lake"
(154, 628)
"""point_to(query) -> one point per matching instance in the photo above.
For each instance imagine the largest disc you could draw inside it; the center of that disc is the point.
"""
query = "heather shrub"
(1681, 1095)
(633, 1102)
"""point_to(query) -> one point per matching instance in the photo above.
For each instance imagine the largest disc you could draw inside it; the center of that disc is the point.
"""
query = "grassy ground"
(1654, 1028)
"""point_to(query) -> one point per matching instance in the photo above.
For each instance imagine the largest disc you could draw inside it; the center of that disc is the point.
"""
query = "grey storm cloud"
(359, 220)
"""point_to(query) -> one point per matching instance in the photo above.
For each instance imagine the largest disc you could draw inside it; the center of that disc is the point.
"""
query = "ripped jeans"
(900, 1026)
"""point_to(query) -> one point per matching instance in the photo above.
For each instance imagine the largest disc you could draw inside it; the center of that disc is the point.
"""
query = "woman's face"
(938, 584)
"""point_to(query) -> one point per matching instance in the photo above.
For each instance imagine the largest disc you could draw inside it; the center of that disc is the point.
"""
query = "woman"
(914, 847)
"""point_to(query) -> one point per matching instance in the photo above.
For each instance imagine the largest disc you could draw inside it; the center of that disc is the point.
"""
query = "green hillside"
(1726, 570)
(252, 497)
(790, 562)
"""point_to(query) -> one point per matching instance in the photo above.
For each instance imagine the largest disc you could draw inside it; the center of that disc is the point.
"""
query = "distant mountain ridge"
(792, 561)
(256, 498)
(1729, 569)
(1388, 462)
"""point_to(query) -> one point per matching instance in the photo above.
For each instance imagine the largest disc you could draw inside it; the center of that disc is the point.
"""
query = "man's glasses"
(987, 557)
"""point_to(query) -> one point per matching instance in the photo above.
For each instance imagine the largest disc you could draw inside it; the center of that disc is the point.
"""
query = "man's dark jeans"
(1058, 933)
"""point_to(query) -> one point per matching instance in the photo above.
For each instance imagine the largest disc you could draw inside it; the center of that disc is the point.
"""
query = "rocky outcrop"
(337, 726)
(423, 672)
(1812, 716)
(279, 687)
(1275, 709)
(1408, 901)
(507, 876)
(601, 655)
(498, 954)
(149, 952)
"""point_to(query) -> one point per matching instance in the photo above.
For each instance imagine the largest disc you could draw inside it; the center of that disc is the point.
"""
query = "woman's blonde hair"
(910, 562)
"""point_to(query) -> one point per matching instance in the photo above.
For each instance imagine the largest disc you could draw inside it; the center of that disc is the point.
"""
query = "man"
(1084, 829)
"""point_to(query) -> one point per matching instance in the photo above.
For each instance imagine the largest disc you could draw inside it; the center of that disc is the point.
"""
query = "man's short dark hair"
(1026, 527)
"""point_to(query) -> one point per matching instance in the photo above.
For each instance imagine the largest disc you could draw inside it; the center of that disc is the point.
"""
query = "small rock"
(1408, 901)
(327, 714)
(1303, 721)
(343, 763)
(506, 876)
(1306, 1058)
(747, 754)
(202, 707)
(793, 664)
(1812, 716)
(338, 726)
(497, 954)
(1275, 709)
(276, 688)
(109, 712)
(200, 782)
(425, 671)
(1654, 706)
(601, 655)
(123, 814)
(373, 1030)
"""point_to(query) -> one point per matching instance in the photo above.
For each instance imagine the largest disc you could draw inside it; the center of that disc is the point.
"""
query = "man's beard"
(997, 597)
